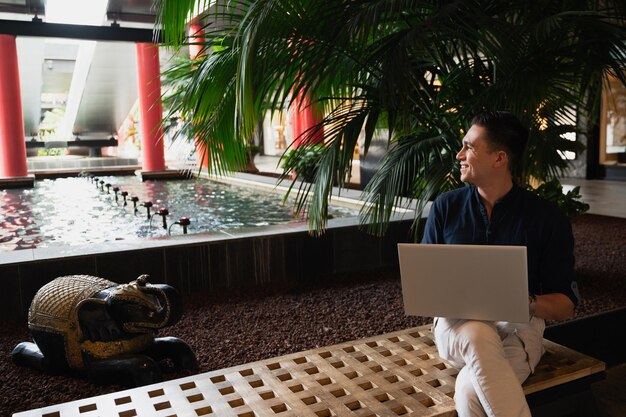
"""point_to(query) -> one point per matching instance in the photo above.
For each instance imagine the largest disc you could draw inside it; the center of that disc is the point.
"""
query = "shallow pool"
(77, 211)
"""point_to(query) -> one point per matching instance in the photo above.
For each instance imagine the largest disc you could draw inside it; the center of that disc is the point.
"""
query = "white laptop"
(480, 282)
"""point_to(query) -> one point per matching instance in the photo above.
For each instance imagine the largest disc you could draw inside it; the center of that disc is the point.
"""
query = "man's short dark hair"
(504, 132)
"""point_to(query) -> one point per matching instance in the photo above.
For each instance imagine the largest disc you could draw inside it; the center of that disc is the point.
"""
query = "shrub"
(568, 202)
(50, 152)
(303, 161)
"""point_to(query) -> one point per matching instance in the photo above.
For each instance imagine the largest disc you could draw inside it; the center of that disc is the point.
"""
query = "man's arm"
(555, 306)
(560, 294)
(432, 229)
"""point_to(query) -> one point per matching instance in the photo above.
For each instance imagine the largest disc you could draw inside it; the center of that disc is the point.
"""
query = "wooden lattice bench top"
(393, 374)
(560, 365)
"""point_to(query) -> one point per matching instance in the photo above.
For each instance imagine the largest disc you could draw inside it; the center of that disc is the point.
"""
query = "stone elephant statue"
(104, 330)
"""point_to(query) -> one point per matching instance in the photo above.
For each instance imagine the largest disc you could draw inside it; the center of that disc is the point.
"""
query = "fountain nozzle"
(134, 199)
(147, 205)
(163, 212)
(184, 222)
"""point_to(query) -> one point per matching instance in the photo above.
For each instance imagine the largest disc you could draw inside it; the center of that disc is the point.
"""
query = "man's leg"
(465, 397)
(523, 345)
(477, 347)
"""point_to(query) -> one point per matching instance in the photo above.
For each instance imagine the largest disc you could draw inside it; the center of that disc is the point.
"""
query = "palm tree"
(411, 71)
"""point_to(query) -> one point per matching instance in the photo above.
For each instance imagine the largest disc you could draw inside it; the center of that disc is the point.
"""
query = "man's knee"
(474, 333)
(459, 340)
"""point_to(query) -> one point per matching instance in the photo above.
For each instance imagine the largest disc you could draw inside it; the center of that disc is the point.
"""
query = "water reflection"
(73, 211)
(17, 230)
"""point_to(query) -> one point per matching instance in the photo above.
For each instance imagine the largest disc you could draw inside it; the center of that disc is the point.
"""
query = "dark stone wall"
(213, 265)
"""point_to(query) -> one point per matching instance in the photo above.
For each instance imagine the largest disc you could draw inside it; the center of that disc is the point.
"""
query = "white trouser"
(495, 359)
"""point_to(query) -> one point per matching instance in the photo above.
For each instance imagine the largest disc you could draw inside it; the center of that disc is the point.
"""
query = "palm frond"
(416, 69)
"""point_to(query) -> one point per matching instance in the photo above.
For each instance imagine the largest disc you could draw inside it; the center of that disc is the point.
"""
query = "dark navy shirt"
(519, 219)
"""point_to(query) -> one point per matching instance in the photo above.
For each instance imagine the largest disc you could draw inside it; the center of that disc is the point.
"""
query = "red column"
(296, 123)
(195, 31)
(12, 139)
(303, 117)
(151, 112)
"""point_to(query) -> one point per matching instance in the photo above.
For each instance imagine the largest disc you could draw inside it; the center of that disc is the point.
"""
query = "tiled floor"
(271, 164)
(268, 163)
(604, 197)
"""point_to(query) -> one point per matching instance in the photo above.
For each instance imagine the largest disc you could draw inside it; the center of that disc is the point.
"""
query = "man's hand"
(554, 306)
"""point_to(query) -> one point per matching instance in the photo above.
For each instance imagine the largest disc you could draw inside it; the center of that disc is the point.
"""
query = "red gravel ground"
(241, 326)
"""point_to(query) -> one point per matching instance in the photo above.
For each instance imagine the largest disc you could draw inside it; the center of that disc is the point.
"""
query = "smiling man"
(496, 357)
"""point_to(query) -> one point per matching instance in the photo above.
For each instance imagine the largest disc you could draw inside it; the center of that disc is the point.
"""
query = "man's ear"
(502, 159)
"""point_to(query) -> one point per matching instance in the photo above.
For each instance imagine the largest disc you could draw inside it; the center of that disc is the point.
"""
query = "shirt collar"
(506, 200)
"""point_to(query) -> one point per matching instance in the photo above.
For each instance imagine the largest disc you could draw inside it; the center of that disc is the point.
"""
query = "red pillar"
(303, 117)
(12, 139)
(195, 32)
(151, 111)
(296, 123)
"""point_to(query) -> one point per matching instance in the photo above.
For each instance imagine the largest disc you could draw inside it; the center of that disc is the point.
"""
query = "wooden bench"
(394, 374)
(561, 384)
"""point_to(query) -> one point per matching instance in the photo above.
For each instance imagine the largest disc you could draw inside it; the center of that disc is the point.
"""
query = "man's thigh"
(516, 355)
(451, 335)
(523, 345)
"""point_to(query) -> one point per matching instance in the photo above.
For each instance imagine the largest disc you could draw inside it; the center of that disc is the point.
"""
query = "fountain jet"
(134, 199)
(147, 205)
(163, 212)
(184, 222)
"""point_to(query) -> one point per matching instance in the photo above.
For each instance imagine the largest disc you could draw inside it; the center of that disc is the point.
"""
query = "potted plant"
(252, 150)
(303, 162)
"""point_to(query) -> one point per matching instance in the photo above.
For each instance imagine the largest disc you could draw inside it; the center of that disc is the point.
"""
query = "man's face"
(476, 158)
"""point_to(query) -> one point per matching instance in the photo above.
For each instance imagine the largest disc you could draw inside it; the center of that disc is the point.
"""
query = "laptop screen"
(480, 282)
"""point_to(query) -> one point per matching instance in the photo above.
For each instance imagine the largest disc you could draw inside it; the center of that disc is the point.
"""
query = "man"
(496, 358)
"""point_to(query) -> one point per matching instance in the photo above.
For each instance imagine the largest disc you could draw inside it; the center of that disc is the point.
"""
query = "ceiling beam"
(82, 32)
(131, 17)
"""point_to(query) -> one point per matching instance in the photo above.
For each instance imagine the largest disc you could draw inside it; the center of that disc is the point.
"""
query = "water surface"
(76, 211)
